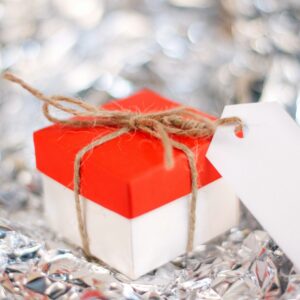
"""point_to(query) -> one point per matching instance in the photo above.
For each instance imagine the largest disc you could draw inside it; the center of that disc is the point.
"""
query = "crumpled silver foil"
(243, 265)
(203, 53)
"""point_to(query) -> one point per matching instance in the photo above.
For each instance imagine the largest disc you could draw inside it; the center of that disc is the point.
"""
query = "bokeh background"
(204, 53)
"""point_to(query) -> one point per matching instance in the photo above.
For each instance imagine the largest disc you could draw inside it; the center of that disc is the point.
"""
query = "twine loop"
(163, 125)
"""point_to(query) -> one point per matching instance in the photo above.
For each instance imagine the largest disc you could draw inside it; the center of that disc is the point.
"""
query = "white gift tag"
(264, 169)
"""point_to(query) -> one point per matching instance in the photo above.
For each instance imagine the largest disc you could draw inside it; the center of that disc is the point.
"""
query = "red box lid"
(126, 175)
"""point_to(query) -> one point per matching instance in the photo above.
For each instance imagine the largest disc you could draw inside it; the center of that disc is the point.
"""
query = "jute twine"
(163, 125)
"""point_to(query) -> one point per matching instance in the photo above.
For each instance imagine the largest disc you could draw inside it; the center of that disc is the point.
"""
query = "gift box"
(136, 210)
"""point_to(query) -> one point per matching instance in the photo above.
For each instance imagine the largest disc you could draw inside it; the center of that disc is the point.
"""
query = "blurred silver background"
(204, 53)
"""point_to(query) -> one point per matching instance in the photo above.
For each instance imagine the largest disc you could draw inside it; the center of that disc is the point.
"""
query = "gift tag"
(263, 168)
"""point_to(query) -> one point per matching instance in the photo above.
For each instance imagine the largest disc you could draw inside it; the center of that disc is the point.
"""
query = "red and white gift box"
(136, 210)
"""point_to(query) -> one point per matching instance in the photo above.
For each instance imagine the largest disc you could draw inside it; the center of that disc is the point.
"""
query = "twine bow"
(179, 121)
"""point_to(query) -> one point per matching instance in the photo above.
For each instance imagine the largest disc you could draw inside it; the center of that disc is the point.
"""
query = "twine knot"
(179, 121)
(137, 122)
(134, 122)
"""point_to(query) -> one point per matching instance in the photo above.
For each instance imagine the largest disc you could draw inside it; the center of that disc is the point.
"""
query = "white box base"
(137, 246)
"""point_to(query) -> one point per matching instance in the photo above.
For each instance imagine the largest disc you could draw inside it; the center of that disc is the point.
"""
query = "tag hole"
(241, 132)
